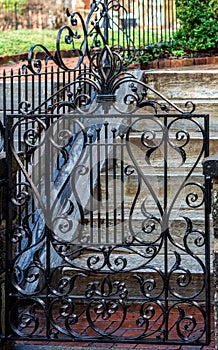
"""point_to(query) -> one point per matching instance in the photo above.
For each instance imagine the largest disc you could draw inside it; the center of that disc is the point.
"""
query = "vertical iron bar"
(46, 86)
(9, 220)
(33, 126)
(173, 19)
(157, 21)
(161, 22)
(52, 84)
(152, 20)
(15, 16)
(26, 89)
(128, 19)
(122, 188)
(123, 16)
(148, 17)
(58, 84)
(138, 21)
(114, 185)
(144, 24)
(113, 28)
(4, 97)
(64, 91)
(207, 235)
(68, 82)
(40, 151)
(106, 182)
(39, 91)
(48, 222)
(169, 20)
(165, 20)
(106, 23)
(166, 223)
(133, 24)
(12, 91)
(19, 140)
(98, 145)
(90, 138)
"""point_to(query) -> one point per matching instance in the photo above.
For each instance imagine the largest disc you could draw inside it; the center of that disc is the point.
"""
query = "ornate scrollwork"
(110, 301)
(151, 287)
(188, 326)
(148, 314)
(183, 283)
(95, 242)
(105, 78)
(22, 195)
(195, 199)
(91, 38)
(27, 322)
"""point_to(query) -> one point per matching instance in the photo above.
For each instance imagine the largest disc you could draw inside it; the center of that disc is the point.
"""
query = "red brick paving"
(209, 63)
(128, 329)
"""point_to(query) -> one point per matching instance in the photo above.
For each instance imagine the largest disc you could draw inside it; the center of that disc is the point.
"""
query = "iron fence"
(144, 22)
(103, 245)
(101, 239)
(35, 88)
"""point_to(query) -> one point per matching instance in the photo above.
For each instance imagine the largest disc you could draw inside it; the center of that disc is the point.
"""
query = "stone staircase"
(197, 86)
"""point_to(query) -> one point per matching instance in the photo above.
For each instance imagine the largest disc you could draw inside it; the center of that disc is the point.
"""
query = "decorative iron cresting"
(85, 36)
(106, 245)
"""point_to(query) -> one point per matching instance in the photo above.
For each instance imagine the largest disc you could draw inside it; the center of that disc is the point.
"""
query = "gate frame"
(106, 80)
(107, 74)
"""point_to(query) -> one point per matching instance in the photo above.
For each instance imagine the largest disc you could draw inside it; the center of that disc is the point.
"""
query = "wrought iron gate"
(108, 215)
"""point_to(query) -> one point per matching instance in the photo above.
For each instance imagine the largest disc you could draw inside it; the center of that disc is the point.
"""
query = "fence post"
(106, 23)
(15, 16)
(5, 344)
(210, 168)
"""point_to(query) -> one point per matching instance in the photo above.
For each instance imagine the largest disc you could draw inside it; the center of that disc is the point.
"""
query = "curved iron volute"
(95, 35)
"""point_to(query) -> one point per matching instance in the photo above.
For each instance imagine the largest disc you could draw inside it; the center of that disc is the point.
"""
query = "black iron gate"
(108, 215)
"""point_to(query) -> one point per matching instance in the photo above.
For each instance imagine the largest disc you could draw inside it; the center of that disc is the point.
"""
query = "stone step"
(137, 262)
(126, 187)
(192, 149)
(202, 106)
(184, 85)
(111, 232)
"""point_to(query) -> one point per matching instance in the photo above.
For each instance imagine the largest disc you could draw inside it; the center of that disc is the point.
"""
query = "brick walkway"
(129, 329)
(70, 62)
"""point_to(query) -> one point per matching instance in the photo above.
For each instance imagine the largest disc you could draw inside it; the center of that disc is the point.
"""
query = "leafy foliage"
(198, 24)
(159, 51)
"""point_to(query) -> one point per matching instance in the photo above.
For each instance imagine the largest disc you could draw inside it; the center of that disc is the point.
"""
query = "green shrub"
(198, 25)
